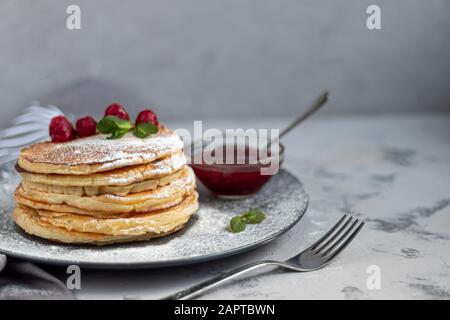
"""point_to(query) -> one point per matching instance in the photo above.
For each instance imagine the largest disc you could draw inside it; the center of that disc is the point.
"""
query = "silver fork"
(318, 255)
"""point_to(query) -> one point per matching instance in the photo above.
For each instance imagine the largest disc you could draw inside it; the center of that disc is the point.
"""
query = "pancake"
(161, 197)
(68, 209)
(28, 219)
(161, 221)
(119, 177)
(98, 153)
(100, 191)
(145, 185)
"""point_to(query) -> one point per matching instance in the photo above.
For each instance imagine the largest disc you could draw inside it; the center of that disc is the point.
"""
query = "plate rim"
(164, 263)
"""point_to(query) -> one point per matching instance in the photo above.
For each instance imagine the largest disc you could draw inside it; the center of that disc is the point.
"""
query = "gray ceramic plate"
(204, 238)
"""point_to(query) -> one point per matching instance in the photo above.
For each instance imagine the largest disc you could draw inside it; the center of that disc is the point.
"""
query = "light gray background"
(208, 58)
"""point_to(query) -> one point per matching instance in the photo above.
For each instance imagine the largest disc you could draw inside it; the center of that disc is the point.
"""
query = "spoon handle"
(319, 102)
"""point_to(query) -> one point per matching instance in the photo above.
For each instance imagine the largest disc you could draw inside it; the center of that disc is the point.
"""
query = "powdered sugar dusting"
(110, 152)
(205, 236)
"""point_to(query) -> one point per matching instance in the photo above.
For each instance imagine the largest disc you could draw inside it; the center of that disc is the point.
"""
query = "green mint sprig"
(252, 216)
(144, 129)
(117, 128)
(237, 224)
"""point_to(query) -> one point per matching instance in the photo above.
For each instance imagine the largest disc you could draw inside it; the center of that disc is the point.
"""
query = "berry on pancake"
(86, 127)
(117, 110)
(61, 130)
(147, 116)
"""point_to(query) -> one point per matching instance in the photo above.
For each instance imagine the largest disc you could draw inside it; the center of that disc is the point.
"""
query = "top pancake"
(97, 153)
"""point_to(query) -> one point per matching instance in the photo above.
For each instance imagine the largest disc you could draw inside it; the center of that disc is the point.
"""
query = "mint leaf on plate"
(253, 216)
(237, 224)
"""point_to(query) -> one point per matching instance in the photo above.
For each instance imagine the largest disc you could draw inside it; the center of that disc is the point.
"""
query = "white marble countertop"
(393, 170)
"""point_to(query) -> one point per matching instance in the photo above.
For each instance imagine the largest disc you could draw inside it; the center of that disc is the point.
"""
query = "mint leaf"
(253, 216)
(115, 126)
(107, 124)
(144, 129)
(110, 124)
(124, 124)
(118, 134)
(237, 224)
(118, 127)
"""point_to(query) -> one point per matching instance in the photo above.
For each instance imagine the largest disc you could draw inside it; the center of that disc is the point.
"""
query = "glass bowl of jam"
(238, 171)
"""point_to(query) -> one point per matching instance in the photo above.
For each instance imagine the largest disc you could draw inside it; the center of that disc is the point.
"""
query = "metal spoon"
(319, 102)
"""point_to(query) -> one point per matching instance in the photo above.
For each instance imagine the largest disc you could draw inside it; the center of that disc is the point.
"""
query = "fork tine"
(334, 236)
(326, 235)
(346, 242)
(340, 239)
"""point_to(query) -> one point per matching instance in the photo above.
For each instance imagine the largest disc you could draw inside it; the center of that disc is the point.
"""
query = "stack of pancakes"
(99, 191)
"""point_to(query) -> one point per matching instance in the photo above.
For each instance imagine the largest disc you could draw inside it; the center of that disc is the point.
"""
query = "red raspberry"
(117, 110)
(86, 127)
(61, 130)
(147, 115)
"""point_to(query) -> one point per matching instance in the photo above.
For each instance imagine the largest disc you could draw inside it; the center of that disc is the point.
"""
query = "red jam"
(232, 179)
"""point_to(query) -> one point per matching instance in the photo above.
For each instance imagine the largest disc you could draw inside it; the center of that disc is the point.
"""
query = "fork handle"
(214, 281)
